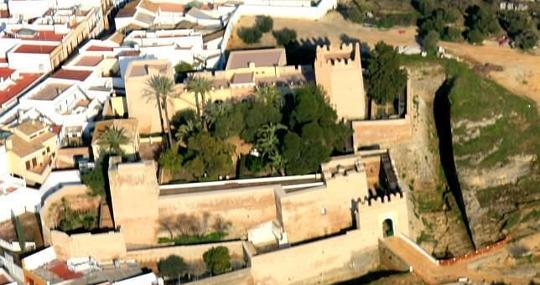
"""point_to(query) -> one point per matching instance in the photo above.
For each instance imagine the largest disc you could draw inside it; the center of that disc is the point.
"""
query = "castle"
(358, 195)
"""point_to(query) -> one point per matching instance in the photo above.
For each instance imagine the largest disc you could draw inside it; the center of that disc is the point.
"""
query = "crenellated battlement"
(384, 199)
(347, 54)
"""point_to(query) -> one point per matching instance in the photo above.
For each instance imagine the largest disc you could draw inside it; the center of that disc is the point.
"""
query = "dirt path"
(521, 71)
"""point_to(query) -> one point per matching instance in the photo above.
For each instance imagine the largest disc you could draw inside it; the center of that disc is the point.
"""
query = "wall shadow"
(442, 116)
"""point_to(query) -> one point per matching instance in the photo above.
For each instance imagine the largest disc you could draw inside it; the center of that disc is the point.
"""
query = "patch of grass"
(194, 239)
(486, 196)
(532, 215)
(429, 202)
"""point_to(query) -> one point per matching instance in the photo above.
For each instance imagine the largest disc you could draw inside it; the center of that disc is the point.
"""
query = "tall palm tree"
(162, 88)
(111, 139)
(200, 87)
(268, 144)
(269, 95)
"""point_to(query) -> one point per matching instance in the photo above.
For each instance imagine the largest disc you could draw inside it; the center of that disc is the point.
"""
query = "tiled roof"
(50, 91)
(128, 10)
(5, 73)
(25, 79)
(148, 5)
(89, 61)
(40, 49)
(262, 57)
(171, 7)
(79, 75)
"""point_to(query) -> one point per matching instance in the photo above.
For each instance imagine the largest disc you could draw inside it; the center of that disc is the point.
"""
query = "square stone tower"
(134, 195)
(339, 71)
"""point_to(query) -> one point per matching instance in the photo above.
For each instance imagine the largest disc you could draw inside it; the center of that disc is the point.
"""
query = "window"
(27, 165)
(34, 162)
(48, 149)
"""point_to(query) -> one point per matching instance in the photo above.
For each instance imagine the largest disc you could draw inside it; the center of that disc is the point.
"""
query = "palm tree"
(162, 87)
(267, 143)
(200, 87)
(269, 95)
(216, 110)
(111, 140)
(185, 130)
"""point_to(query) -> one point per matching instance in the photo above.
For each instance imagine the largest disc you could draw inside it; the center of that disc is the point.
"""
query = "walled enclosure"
(384, 132)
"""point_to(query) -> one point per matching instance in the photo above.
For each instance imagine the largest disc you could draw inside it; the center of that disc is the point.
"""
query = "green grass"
(512, 220)
(532, 215)
(194, 239)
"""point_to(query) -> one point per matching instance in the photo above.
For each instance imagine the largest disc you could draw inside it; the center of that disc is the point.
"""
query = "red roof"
(5, 73)
(41, 49)
(171, 7)
(79, 75)
(51, 36)
(99, 48)
(25, 79)
(61, 270)
(3, 60)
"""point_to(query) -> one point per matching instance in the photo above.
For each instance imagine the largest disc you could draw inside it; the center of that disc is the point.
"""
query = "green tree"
(217, 260)
(257, 114)
(451, 34)
(21, 236)
(284, 36)
(208, 157)
(480, 22)
(429, 42)
(181, 70)
(386, 79)
(268, 144)
(111, 139)
(314, 131)
(163, 88)
(172, 267)
(250, 35)
(264, 23)
(200, 86)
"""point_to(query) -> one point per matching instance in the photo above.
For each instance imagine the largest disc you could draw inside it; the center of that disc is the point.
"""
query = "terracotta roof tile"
(40, 49)
(79, 75)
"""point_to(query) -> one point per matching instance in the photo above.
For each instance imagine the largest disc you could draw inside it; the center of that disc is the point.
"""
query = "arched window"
(388, 228)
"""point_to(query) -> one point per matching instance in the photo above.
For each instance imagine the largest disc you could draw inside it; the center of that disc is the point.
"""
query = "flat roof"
(23, 148)
(25, 80)
(129, 125)
(70, 74)
(50, 91)
(89, 61)
(38, 49)
(260, 57)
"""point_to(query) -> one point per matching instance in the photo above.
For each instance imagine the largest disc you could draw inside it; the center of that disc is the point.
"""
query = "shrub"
(264, 23)
(249, 35)
(284, 36)
(172, 266)
(526, 39)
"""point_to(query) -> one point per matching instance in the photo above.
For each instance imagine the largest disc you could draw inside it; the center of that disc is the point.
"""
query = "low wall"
(237, 277)
(19, 202)
(77, 198)
(190, 253)
(101, 246)
(323, 262)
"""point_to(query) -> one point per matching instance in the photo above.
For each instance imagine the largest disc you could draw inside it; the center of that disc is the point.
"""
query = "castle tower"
(134, 197)
(339, 72)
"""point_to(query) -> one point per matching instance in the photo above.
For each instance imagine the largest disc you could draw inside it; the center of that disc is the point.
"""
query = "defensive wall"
(101, 246)
(387, 131)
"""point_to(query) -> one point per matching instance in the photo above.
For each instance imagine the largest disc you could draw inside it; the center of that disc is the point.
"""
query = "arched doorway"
(388, 228)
